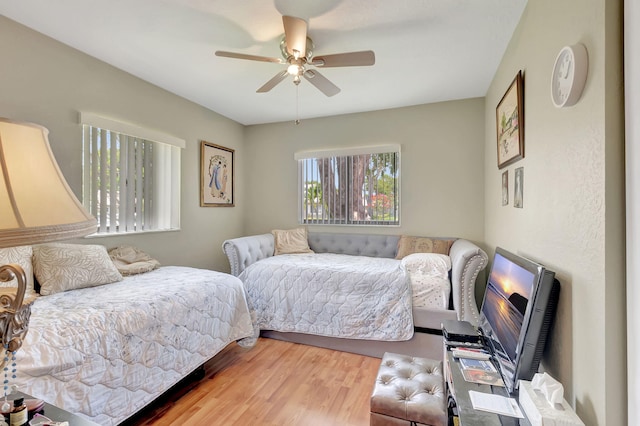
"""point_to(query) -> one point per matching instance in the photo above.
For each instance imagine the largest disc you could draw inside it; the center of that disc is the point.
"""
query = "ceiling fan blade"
(295, 33)
(321, 82)
(249, 57)
(351, 59)
(273, 82)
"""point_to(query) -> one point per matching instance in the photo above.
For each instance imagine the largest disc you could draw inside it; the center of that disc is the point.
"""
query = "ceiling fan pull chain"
(297, 114)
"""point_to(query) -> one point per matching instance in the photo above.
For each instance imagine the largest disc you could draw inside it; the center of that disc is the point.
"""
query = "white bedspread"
(106, 352)
(331, 295)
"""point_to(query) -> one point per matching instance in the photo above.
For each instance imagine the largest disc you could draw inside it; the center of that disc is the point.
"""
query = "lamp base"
(14, 311)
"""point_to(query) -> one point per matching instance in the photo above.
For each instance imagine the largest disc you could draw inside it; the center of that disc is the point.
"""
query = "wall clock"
(569, 75)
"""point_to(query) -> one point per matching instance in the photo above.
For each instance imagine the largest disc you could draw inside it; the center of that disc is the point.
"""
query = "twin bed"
(104, 346)
(106, 352)
(360, 293)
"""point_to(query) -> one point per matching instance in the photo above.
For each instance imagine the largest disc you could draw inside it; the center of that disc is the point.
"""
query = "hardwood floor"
(274, 383)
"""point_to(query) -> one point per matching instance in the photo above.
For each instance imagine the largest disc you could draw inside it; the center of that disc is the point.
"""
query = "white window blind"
(353, 186)
(130, 184)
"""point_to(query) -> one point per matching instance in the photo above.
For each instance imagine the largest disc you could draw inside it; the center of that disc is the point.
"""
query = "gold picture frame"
(217, 186)
(510, 123)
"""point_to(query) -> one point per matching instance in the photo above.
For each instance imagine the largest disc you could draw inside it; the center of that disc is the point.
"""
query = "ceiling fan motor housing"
(285, 52)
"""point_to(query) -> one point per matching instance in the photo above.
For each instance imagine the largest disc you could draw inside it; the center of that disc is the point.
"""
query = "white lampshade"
(36, 203)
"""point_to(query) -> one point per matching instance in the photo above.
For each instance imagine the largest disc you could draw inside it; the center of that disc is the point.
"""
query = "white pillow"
(430, 264)
(20, 255)
(61, 267)
(429, 277)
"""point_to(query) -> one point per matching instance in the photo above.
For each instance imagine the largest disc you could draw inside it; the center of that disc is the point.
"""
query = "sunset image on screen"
(506, 299)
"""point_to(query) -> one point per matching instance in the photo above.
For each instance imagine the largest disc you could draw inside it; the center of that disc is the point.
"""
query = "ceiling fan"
(297, 51)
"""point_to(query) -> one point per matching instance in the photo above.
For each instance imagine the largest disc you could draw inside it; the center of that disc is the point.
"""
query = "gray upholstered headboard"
(354, 244)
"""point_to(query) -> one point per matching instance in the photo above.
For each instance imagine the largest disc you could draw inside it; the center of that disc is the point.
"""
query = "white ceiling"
(426, 50)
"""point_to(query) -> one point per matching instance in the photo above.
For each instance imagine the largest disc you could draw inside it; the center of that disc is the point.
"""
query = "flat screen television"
(517, 311)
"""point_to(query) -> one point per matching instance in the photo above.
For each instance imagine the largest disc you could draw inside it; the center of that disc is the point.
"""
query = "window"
(355, 186)
(131, 176)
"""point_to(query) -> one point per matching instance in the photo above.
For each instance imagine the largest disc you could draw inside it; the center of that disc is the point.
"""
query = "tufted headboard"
(244, 251)
(354, 244)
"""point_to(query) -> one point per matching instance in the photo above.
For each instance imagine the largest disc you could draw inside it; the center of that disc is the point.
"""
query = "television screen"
(518, 305)
(506, 299)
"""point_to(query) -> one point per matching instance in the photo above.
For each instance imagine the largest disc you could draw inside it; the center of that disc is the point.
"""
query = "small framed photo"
(216, 175)
(510, 124)
(518, 188)
(505, 188)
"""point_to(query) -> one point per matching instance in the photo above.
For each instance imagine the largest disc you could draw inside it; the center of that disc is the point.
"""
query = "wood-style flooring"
(274, 383)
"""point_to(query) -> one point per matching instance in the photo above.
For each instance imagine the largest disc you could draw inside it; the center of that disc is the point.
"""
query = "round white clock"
(569, 75)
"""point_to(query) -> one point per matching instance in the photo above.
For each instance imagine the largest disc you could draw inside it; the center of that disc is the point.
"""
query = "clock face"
(563, 77)
(567, 79)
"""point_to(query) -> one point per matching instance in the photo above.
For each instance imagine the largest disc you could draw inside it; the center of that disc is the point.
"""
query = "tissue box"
(541, 413)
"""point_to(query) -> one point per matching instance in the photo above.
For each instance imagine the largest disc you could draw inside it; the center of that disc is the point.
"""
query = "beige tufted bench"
(408, 391)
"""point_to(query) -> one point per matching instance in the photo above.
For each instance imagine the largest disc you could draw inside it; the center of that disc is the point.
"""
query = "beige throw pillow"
(408, 245)
(131, 260)
(291, 241)
(61, 267)
(21, 256)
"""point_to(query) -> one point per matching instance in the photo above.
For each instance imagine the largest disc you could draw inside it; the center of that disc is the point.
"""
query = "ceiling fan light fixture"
(294, 69)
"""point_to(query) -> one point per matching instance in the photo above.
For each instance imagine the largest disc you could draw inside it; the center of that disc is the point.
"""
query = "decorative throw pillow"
(61, 267)
(20, 255)
(131, 260)
(408, 245)
(291, 241)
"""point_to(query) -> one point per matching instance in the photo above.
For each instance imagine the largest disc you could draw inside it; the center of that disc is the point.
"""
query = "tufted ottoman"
(408, 391)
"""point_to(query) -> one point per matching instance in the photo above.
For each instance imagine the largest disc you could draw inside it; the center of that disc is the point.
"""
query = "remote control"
(462, 353)
(452, 344)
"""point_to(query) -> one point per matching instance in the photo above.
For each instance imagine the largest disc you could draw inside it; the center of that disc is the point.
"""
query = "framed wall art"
(510, 123)
(505, 187)
(518, 189)
(216, 175)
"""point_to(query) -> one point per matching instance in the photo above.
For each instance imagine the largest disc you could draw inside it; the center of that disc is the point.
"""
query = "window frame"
(348, 154)
(163, 162)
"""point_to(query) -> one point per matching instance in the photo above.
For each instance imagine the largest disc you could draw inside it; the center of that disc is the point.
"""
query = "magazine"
(484, 377)
(478, 364)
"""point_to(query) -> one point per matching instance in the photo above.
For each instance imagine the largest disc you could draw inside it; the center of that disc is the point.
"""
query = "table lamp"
(36, 206)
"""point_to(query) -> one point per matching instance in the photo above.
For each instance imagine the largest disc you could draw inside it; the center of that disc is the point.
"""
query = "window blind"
(130, 184)
(360, 186)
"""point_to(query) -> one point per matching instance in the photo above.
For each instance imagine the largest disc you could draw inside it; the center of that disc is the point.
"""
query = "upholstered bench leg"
(408, 390)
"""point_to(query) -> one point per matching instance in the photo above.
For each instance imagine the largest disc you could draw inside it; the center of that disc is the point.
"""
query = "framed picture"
(518, 188)
(216, 175)
(505, 188)
(510, 124)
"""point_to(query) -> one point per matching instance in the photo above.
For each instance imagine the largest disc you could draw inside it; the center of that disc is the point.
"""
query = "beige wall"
(441, 177)
(573, 215)
(45, 82)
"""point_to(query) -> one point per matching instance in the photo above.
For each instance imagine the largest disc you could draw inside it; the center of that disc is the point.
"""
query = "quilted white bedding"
(331, 295)
(106, 352)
